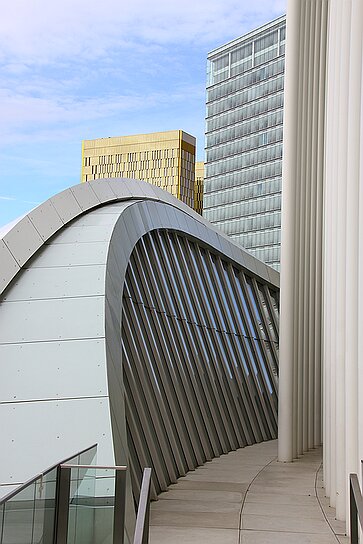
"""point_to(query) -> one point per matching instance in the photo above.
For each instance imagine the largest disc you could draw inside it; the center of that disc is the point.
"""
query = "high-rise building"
(165, 159)
(242, 186)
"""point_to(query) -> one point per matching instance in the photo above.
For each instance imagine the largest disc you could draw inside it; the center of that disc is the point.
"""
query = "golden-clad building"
(165, 159)
(198, 187)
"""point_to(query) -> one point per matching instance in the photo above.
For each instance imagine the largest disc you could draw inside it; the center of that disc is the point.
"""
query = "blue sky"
(80, 69)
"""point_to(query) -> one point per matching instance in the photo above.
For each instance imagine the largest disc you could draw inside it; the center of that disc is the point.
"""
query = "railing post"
(143, 512)
(62, 504)
(353, 514)
(145, 533)
(119, 507)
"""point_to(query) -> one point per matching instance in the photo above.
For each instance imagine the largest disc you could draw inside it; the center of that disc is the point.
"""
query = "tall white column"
(319, 149)
(300, 380)
(360, 264)
(289, 199)
(304, 224)
(330, 258)
(341, 173)
(352, 247)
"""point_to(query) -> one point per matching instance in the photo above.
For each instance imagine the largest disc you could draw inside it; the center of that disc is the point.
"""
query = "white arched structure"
(115, 285)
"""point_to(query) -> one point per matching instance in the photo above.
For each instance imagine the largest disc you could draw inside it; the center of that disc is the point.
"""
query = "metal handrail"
(98, 467)
(356, 507)
(21, 487)
(142, 521)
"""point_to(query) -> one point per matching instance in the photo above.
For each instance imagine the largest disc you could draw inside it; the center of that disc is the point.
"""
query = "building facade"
(165, 159)
(242, 187)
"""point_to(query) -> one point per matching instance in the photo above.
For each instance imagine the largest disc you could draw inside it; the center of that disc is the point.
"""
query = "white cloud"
(75, 69)
(42, 31)
(12, 198)
(58, 115)
(55, 57)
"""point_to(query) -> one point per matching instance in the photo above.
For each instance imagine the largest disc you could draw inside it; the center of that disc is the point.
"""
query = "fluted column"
(321, 281)
(357, 26)
(288, 235)
(354, 143)
(300, 380)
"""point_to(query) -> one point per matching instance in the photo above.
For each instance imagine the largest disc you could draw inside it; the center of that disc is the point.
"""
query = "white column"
(300, 378)
(352, 247)
(330, 260)
(341, 176)
(360, 266)
(286, 401)
(310, 219)
(304, 225)
(319, 149)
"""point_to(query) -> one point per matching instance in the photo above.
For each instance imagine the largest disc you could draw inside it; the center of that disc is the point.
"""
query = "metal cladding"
(127, 320)
(199, 340)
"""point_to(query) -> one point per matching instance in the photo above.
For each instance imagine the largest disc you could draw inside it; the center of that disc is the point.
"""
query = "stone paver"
(269, 537)
(247, 497)
(192, 535)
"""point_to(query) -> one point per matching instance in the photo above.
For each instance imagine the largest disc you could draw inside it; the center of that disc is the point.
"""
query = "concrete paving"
(247, 497)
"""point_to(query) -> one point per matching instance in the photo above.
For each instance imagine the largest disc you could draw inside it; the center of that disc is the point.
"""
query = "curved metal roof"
(25, 238)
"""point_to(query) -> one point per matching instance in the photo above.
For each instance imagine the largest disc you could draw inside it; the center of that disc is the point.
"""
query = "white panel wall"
(52, 370)
(42, 432)
(52, 351)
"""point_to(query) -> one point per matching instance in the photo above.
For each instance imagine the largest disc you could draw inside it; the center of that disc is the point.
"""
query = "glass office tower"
(242, 186)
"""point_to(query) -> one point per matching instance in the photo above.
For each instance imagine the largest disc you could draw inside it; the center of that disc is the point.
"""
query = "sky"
(80, 69)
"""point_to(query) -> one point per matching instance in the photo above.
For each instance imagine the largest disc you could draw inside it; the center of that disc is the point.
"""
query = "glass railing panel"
(91, 506)
(1, 521)
(104, 493)
(88, 457)
(44, 508)
(81, 521)
(18, 517)
(28, 516)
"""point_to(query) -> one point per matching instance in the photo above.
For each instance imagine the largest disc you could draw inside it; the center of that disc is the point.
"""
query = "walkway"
(247, 497)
